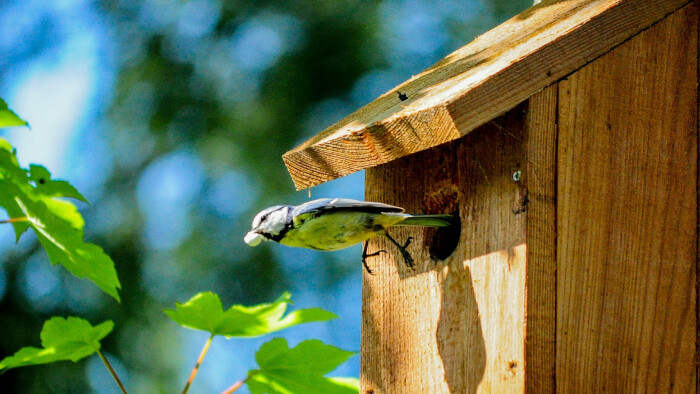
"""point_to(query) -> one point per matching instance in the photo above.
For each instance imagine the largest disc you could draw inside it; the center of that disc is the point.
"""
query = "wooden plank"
(627, 216)
(474, 84)
(455, 325)
(401, 308)
(540, 279)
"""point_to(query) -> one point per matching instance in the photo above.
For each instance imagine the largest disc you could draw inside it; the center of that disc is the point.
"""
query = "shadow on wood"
(451, 314)
(460, 339)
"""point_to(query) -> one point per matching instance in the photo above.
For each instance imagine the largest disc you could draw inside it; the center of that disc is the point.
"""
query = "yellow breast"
(336, 230)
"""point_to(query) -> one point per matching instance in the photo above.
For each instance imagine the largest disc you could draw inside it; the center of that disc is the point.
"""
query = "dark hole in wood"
(445, 239)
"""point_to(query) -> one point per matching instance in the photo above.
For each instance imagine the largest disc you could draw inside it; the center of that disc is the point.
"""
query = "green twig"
(111, 370)
(199, 362)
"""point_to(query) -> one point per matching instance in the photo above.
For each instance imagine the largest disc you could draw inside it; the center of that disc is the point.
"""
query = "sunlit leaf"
(205, 312)
(48, 187)
(11, 175)
(66, 211)
(9, 118)
(32, 199)
(61, 339)
(300, 369)
(64, 244)
(350, 383)
(13, 209)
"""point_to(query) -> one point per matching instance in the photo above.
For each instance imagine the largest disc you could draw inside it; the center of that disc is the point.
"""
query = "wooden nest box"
(567, 141)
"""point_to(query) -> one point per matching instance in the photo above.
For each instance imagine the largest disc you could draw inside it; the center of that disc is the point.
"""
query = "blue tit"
(336, 223)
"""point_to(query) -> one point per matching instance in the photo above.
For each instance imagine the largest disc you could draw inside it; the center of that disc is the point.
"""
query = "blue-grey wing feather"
(332, 204)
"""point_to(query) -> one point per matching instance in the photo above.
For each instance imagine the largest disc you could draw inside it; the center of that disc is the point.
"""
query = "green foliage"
(205, 312)
(62, 339)
(32, 199)
(9, 118)
(52, 188)
(300, 369)
(282, 370)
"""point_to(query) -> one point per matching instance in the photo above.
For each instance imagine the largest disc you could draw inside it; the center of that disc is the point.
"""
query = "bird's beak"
(252, 238)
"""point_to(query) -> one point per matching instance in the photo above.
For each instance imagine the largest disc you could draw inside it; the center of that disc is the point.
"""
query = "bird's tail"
(428, 220)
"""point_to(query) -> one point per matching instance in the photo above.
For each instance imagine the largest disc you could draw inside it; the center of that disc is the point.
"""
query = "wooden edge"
(697, 228)
(541, 230)
(604, 277)
(474, 84)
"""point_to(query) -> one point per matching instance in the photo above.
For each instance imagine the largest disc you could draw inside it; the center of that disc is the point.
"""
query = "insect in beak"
(252, 238)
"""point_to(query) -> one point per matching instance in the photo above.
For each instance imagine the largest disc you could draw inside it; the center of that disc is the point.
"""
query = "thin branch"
(15, 220)
(235, 386)
(111, 370)
(199, 362)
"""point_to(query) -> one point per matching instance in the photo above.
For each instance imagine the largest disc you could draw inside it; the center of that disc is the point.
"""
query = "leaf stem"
(234, 387)
(15, 220)
(237, 385)
(205, 349)
(111, 370)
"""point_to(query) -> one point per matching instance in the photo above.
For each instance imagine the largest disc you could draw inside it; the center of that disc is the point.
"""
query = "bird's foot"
(407, 258)
(365, 255)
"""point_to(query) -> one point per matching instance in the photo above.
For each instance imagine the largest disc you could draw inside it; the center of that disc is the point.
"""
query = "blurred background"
(171, 117)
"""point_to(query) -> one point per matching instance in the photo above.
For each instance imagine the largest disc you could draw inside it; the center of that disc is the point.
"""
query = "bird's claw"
(373, 254)
(365, 255)
(404, 253)
(407, 258)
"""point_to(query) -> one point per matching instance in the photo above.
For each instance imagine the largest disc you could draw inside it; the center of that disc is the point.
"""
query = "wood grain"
(401, 308)
(541, 268)
(474, 84)
(627, 216)
(455, 325)
(697, 262)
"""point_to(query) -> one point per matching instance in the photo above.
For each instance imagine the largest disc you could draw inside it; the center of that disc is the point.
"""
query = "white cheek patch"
(276, 221)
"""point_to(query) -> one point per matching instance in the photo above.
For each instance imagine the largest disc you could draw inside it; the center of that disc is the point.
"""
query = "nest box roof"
(474, 84)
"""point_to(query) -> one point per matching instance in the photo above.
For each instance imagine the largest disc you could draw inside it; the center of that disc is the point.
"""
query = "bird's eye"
(262, 219)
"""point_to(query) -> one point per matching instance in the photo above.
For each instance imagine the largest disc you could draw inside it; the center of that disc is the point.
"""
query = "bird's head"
(271, 224)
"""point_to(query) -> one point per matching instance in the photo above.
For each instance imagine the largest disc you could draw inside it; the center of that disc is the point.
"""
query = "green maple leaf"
(300, 369)
(48, 187)
(10, 170)
(64, 244)
(61, 339)
(9, 118)
(205, 312)
(32, 196)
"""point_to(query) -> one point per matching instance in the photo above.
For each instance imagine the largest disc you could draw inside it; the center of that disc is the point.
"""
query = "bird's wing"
(333, 204)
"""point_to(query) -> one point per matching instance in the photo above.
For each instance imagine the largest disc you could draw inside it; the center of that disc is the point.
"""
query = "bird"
(336, 223)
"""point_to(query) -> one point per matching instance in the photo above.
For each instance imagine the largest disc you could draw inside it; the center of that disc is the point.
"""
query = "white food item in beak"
(252, 239)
